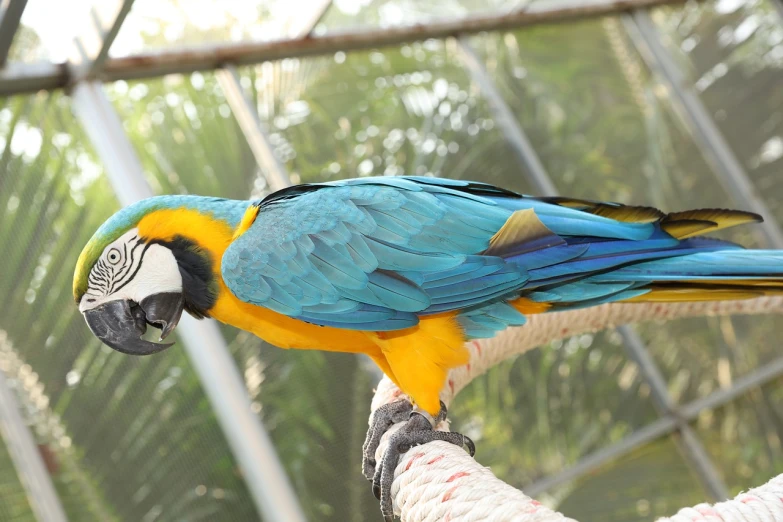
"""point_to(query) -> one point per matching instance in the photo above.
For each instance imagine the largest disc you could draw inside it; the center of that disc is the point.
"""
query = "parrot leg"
(384, 418)
(418, 430)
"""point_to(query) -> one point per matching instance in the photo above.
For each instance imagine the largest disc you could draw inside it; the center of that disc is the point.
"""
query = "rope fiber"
(440, 482)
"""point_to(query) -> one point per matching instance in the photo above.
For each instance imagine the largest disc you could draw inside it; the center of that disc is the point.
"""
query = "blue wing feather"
(370, 243)
(378, 253)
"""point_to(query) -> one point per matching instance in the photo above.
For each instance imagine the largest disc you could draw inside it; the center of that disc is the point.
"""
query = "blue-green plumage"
(377, 253)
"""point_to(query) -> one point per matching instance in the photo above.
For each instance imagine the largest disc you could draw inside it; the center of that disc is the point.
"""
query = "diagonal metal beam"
(315, 19)
(506, 120)
(207, 350)
(27, 459)
(702, 127)
(634, 346)
(247, 117)
(691, 446)
(10, 14)
(91, 46)
(778, 5)
(659, 428)
(214, 56)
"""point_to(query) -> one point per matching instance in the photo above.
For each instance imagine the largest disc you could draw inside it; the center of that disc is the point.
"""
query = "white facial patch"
(131, 269)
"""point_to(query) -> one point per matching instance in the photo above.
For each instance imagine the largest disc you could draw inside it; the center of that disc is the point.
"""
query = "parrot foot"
(418, 430)
(382, 419)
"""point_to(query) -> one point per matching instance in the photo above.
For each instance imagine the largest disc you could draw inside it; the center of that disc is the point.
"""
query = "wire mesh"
(14, 505)
(136, 438)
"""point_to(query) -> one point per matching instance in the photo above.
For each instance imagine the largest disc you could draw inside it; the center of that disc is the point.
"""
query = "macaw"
(402, 269)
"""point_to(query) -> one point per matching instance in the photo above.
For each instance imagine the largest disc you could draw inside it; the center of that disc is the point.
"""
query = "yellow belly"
(284, 331)
(417, 359)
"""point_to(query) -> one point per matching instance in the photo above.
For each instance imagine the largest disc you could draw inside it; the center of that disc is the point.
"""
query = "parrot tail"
(703, 276)
(673, 264)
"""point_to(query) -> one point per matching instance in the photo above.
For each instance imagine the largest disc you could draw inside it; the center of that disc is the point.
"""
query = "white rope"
(440, 482)
(763, 504)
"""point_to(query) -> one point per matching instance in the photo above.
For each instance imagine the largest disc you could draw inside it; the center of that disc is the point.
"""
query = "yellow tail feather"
(625, 213)
(689, 223)
(686, 291)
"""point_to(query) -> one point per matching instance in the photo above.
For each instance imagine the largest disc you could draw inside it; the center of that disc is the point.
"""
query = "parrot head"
(148, 263)
(132, 283)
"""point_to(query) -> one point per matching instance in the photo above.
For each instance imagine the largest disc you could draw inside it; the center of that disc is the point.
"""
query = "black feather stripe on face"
(199, 287)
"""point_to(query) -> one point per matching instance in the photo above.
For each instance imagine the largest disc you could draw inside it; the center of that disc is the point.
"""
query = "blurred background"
(676, 105)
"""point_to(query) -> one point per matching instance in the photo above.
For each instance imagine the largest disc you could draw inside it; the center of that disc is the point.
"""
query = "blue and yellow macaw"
(402, 269)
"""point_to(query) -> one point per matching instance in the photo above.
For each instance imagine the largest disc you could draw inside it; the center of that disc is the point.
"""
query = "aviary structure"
(404, 270)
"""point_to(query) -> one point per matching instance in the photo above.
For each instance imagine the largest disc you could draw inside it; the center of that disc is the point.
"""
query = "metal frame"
(692, 448)
(212, 57)
(536, 173)
(20, 78)
(27, 459)
(91, 49)
(10, 14)
(665, 425)
(778, 5)
(319, 14)
(248, 120)
(206, 348)
(686, 101)
(506, 120)
(208, 352)
(186, 60)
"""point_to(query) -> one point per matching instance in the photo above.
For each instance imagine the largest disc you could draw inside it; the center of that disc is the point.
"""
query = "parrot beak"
(120, 324)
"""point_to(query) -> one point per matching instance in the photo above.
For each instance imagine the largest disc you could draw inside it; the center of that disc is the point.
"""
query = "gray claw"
(418, 430)
(384, 418)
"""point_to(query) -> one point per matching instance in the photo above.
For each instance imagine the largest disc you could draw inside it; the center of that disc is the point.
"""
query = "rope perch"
(439, 482)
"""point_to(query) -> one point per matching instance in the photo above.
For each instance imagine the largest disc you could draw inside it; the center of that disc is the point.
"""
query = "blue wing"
(377, 253)
(369, 255)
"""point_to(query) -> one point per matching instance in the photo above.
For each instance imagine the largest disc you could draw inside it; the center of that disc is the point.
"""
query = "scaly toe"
(417, 431)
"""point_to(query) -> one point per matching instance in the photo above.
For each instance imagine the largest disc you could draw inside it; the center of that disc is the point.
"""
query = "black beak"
(120, 324)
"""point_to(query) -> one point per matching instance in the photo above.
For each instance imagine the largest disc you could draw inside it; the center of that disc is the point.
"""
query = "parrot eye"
(113, 256)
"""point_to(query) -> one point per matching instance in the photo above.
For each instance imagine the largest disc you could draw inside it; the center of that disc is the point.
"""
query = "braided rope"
(763, 504)
(440, 482)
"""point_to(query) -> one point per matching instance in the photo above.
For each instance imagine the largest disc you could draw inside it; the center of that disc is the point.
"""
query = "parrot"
(403, 269)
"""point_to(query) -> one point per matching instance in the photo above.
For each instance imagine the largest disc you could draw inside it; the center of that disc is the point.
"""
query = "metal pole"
(692, 447)
(213, 56)
(92, 46)
(264, 474)
(507, 121)
(634, 346)
(686, 101)
(27, 459)
(660, 427)
(318, 15)
(778, 5)
(10, 14)
(247, 117)
(18, 78)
